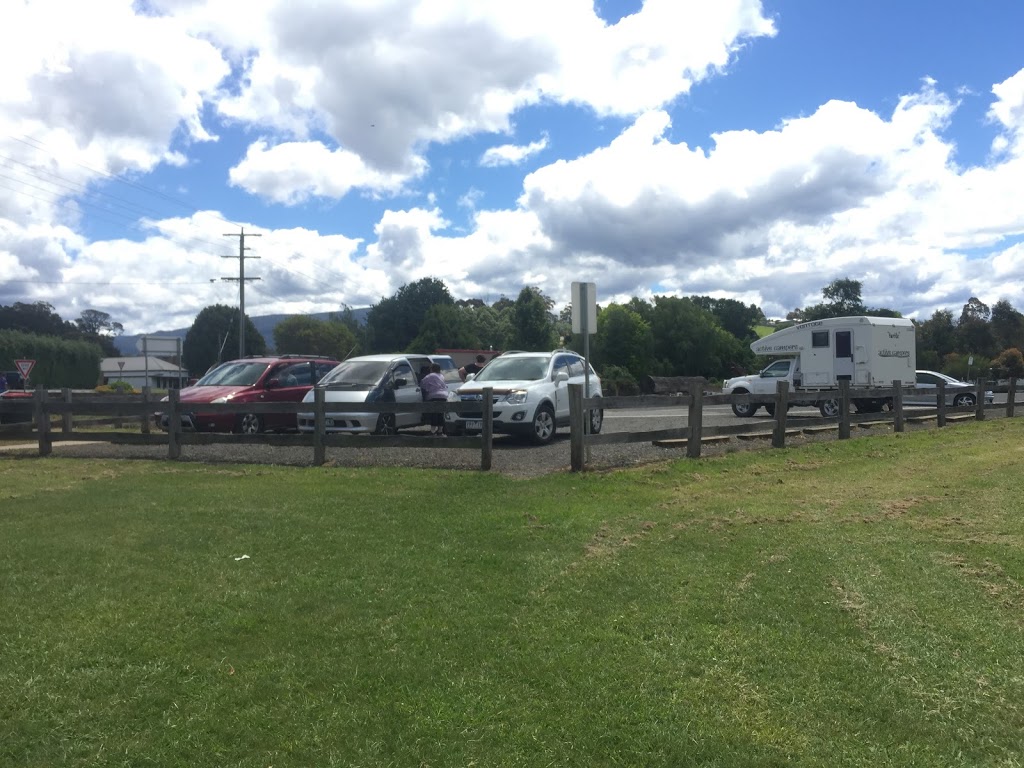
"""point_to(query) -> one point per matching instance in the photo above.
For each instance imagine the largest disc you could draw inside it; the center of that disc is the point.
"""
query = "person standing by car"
(476, 367)
(435, 388)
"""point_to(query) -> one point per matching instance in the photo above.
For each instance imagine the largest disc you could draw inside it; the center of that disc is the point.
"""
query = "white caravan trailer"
(866, 351)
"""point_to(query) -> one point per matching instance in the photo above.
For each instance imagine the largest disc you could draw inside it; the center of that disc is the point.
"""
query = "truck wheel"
(744, 410)
(829, 408)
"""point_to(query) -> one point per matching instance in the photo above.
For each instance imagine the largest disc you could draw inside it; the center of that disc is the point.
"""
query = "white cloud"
(512, 154)
(293, 172)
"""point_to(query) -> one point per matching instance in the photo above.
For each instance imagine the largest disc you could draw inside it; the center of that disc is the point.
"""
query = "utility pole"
(241, 283)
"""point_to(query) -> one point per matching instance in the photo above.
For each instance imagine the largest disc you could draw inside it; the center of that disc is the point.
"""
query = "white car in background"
(959, 394)
(530, 394)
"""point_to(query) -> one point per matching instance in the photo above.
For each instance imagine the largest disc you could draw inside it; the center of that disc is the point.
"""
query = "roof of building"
(137, 365)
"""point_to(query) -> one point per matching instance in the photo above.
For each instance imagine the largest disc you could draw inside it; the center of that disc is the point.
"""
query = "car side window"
(927, 378)
(561, 364)
(296, 375)
(322, 369)
(576, 366)
(404, 371)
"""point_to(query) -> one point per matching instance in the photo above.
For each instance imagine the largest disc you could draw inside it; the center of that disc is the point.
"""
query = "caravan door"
(843, 366)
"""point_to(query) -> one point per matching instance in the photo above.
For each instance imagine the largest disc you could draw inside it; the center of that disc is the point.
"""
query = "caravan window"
(819, 339)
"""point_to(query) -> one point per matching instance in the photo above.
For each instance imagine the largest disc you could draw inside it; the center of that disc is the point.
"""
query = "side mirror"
(561, 376)
(272, 384)
(470, 376)
(400, 383)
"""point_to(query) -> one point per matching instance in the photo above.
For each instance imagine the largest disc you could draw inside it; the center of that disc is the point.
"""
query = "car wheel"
(964, 400)
(829, 408)
(744, 410)
(250, 424)
(386, 425)
(596, 420)
(770, 408)
(543, 425)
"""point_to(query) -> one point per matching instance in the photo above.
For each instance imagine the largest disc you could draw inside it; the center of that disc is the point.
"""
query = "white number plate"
(471, 425)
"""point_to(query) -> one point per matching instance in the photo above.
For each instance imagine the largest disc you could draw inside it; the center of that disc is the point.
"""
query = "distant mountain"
(265, 324)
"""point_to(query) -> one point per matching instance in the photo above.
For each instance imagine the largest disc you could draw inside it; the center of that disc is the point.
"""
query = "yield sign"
(24, 367)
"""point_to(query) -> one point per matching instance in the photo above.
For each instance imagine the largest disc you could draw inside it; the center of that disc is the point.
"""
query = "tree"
(213, 338)
(493, 327)
(38, 317)
(446, 326)
(306, 335)
(975, 309)
(936, 338)
(532, 326)
(689, 341)
(394, 322)
(97, 327)
(1010, 362)
(842, 299)
(736, 317)
(624, 340)
(1007, 325)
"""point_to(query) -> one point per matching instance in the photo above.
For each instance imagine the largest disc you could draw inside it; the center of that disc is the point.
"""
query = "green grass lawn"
(841, 604)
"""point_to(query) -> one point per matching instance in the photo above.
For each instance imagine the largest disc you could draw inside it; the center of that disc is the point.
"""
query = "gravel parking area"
(511, 456)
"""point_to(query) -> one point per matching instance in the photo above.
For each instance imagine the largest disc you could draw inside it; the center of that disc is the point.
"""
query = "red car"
(282, 379)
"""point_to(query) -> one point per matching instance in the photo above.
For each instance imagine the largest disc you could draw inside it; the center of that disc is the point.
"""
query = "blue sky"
(741, 149)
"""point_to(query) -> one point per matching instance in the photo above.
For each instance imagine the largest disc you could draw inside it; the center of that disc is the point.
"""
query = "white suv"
(531, 394)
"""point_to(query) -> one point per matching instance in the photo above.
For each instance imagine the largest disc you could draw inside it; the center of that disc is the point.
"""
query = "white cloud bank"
(347, 98)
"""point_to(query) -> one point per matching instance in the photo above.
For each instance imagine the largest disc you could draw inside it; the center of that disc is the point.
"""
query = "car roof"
(280, 358)
(383, 358)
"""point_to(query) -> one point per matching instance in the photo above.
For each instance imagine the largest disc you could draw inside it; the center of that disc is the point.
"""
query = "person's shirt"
(468, 369)
(434, 386)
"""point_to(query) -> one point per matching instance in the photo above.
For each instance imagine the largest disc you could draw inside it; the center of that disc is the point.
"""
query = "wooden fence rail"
(695, 432)
(48, 419)
(42, 412)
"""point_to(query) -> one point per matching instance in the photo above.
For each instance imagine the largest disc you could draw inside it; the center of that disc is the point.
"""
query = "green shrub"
(616, 380)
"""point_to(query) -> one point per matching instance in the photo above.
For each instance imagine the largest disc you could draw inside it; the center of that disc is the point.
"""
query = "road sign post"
(24, 368)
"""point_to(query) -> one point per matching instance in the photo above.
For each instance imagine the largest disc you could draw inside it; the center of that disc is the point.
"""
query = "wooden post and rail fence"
(48, 419)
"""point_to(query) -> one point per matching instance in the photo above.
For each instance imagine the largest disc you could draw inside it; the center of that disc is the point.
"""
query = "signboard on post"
(24, 367)
(584, 308)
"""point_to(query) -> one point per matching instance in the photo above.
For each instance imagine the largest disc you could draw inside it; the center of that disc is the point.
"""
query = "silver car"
(959, 394)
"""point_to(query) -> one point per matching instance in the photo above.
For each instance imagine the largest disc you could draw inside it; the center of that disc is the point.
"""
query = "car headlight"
(165, 399)
(453, 397)
(516, 397)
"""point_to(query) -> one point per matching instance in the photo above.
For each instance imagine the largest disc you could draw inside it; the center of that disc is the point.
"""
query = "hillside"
(265, 324)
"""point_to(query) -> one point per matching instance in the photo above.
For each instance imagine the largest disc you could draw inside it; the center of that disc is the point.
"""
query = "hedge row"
(59, 362)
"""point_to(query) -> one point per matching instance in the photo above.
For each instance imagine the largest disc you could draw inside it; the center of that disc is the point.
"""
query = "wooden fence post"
(898, 421)
(940, 404)
(1011, 395)
(173, 425)
(43, 422)
(487, 431)
(979, 401)
(66, 421)
(844, 409)
(147, 416)
(319, 426)
(576, 436)
(781, 413)
(694, 421)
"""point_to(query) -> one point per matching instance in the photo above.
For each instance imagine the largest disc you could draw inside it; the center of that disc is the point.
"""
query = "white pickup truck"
(868, 352)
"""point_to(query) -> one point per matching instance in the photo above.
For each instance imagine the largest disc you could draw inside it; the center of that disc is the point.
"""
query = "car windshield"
(240, 374)
(514, 369)
(355, 374)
